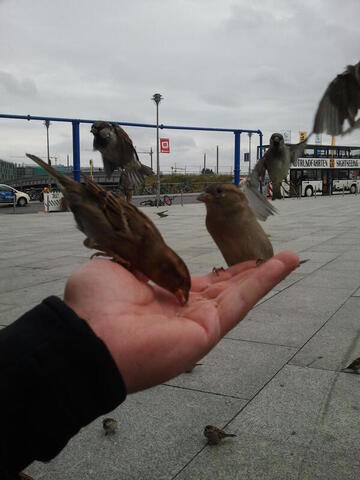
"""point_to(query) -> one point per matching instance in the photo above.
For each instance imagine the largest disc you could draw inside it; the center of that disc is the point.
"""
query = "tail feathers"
(62, 179)
(229, 435)
(135, 176)
(146, 171)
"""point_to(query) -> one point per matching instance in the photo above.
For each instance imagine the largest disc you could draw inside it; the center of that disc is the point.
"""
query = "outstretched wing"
(298, 149)
(257, 201)
(130, 160)
(340, 102)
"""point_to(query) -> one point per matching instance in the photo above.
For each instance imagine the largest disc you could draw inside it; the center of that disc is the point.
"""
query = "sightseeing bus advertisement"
(326, 163)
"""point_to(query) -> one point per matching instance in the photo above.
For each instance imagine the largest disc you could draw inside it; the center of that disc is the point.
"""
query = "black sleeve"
(56, 376)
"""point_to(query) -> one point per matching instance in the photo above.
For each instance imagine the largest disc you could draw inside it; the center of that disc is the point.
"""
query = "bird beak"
(182, 296)
(204, 197)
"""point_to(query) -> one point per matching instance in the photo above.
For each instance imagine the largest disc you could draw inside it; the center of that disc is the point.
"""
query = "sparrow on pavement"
(215, 434)
(109, 425)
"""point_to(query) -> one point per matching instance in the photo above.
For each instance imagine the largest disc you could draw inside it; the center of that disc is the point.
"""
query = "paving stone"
(290, 317)
(159, 431)
(282, 431)
(337, 343)
(236, 368)
(306, 407)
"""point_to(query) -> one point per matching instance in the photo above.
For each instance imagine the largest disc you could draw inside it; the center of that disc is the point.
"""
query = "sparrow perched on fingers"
(340, 102)
(109, 425)
(117, 150)
(215, 435)
(233, 225)
(276, 160)
(119, 230)
(354, 367)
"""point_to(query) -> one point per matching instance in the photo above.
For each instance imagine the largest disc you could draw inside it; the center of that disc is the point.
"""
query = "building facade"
(8, 172)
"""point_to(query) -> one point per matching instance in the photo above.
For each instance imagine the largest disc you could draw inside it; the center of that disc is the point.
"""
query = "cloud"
(261, 65)
(12, 86)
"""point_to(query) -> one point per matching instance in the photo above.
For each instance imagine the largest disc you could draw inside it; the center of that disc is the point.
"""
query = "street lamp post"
(47, 125)
(157, 99)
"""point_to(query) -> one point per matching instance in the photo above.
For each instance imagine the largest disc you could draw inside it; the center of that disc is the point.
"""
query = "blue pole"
(76, 150)
(237, 157)
(261, 154)
(261, 144)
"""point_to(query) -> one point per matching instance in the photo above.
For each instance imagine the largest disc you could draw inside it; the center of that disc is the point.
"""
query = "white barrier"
(53, 202)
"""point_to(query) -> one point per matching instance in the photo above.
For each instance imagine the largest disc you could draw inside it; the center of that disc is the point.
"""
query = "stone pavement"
(275, 379)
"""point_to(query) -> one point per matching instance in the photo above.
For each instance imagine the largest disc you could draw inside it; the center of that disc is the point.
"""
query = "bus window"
(343, 174)
(309, 174)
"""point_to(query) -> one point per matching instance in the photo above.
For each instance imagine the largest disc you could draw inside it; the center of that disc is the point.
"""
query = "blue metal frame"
(76, 150)
(76, 136)
(237, 157)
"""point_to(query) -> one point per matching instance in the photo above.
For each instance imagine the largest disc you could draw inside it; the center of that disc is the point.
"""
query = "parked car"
(7, 196)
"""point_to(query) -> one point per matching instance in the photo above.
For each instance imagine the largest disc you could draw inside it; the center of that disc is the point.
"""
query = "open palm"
(149, 335)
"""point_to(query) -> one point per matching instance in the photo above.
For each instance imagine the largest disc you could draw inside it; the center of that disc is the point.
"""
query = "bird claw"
(259, 261)
(124, 263)
(217, 270)
(99, 254)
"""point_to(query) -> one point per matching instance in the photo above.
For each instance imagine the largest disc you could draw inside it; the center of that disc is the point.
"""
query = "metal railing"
(76, 136)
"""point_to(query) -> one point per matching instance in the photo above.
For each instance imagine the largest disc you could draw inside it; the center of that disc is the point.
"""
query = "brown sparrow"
(119, 230)
(215, 435)
(117, 150)
(233, 225)
(109, 425)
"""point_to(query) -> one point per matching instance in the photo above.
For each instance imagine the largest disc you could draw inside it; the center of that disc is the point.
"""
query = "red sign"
(164, 145)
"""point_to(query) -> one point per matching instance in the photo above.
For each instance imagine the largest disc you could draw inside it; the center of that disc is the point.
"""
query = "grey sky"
(235, 63)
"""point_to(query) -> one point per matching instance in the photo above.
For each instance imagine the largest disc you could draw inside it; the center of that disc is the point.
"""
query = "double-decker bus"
(324, 170)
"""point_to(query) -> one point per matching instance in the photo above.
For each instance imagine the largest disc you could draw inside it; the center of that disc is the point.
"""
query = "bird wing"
(340, 102)
(257, 201)
(298, 149)
(128, 221)
(130, 160)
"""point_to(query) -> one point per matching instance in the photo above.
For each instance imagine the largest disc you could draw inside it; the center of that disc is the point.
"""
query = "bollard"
(47, 203)
(343, 190)
(181, 193)
(14, 202)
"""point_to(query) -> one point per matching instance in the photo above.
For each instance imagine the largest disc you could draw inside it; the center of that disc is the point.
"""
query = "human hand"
(149, 335)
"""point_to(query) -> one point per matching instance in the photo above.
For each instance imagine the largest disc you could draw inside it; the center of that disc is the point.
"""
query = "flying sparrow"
(117, 150)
